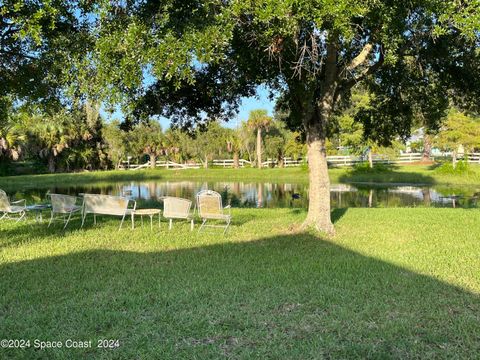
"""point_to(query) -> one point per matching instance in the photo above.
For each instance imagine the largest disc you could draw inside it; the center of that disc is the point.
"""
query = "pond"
(273, 195)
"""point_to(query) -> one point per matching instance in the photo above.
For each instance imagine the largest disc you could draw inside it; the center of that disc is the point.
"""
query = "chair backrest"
(62, 203)
(209, 203)
(4, 202)
(105, 204)
(174, 207)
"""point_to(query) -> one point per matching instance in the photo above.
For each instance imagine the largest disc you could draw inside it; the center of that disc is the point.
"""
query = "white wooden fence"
(334, 161)
(230, 162)
(165, 164)
(409, 158)
(473, 158)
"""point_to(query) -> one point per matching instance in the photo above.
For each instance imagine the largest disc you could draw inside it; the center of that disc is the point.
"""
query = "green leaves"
(459, 129)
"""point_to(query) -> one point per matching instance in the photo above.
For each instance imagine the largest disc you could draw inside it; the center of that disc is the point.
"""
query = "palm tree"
(174, 146)
(149, 139)
(259, 120)
(52, 138)
(11, 140)
(234, 145)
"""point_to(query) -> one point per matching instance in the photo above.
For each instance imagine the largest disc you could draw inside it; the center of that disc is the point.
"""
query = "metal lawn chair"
(209, 204)
(9, 208)
(177, 208)
(64, 205)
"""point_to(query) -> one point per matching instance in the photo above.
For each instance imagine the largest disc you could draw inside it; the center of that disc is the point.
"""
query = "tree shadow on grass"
(281, 297)
(14, 234)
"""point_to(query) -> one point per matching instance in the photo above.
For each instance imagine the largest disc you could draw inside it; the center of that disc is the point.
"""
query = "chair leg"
(22, 215)
(133, 221)
(191, 225)
(201, 226)
(3, 216)
(68, 220)
(121, 222)
(226, 227)
(83, 219)
(51, 219)
(170, 225)
(94, 219)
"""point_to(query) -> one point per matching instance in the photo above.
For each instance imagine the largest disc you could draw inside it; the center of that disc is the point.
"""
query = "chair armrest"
(19, 201)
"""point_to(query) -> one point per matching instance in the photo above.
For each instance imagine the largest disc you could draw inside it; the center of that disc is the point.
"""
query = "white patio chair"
(107, 205)
(65, 205)
(177, 208)
(209, 205)
(8, 208)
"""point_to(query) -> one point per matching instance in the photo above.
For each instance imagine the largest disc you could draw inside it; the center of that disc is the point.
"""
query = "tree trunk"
(427, 199)
(236, 158)
(370, 158)
(205, 164)
(259, 148)
(280, 162)
(454, 158)
(260, 195)
(370, 198)
(51, 163)
(319, 192)
(153, 161)
(427, 147)
(316, 127)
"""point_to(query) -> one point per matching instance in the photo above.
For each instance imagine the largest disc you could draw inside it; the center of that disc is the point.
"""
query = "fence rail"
(473, 158)
(230, 162)
(334, 161)
(166, 164)
(409, 158)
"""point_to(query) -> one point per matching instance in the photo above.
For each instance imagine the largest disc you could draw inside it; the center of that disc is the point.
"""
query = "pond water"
(272, 195)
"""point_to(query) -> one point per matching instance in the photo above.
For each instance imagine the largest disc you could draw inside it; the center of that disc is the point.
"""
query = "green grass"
(393, 283)
(403, 174)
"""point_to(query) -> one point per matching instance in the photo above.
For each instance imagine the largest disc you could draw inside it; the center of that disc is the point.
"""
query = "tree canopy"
(38, 42)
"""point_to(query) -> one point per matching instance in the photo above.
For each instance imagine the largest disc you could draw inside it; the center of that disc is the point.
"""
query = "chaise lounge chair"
(8, 208)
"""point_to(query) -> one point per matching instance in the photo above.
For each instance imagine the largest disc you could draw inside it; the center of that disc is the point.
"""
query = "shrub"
(462, 167)
(365, 167)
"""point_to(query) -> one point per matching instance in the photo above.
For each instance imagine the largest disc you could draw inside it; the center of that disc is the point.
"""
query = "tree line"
(80, 139)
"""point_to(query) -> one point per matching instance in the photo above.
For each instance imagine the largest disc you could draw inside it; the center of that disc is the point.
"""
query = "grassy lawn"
(393, 283)
(403, 174)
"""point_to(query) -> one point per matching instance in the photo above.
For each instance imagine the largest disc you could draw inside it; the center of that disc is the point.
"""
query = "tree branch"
(331, 62)
(12, 53)
(360, 58)
(366, 72)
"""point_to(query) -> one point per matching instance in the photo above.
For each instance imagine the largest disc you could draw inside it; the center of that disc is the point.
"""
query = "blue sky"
(261, 101)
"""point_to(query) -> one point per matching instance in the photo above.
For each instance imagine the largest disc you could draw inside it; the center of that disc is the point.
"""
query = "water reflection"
(271, 195)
